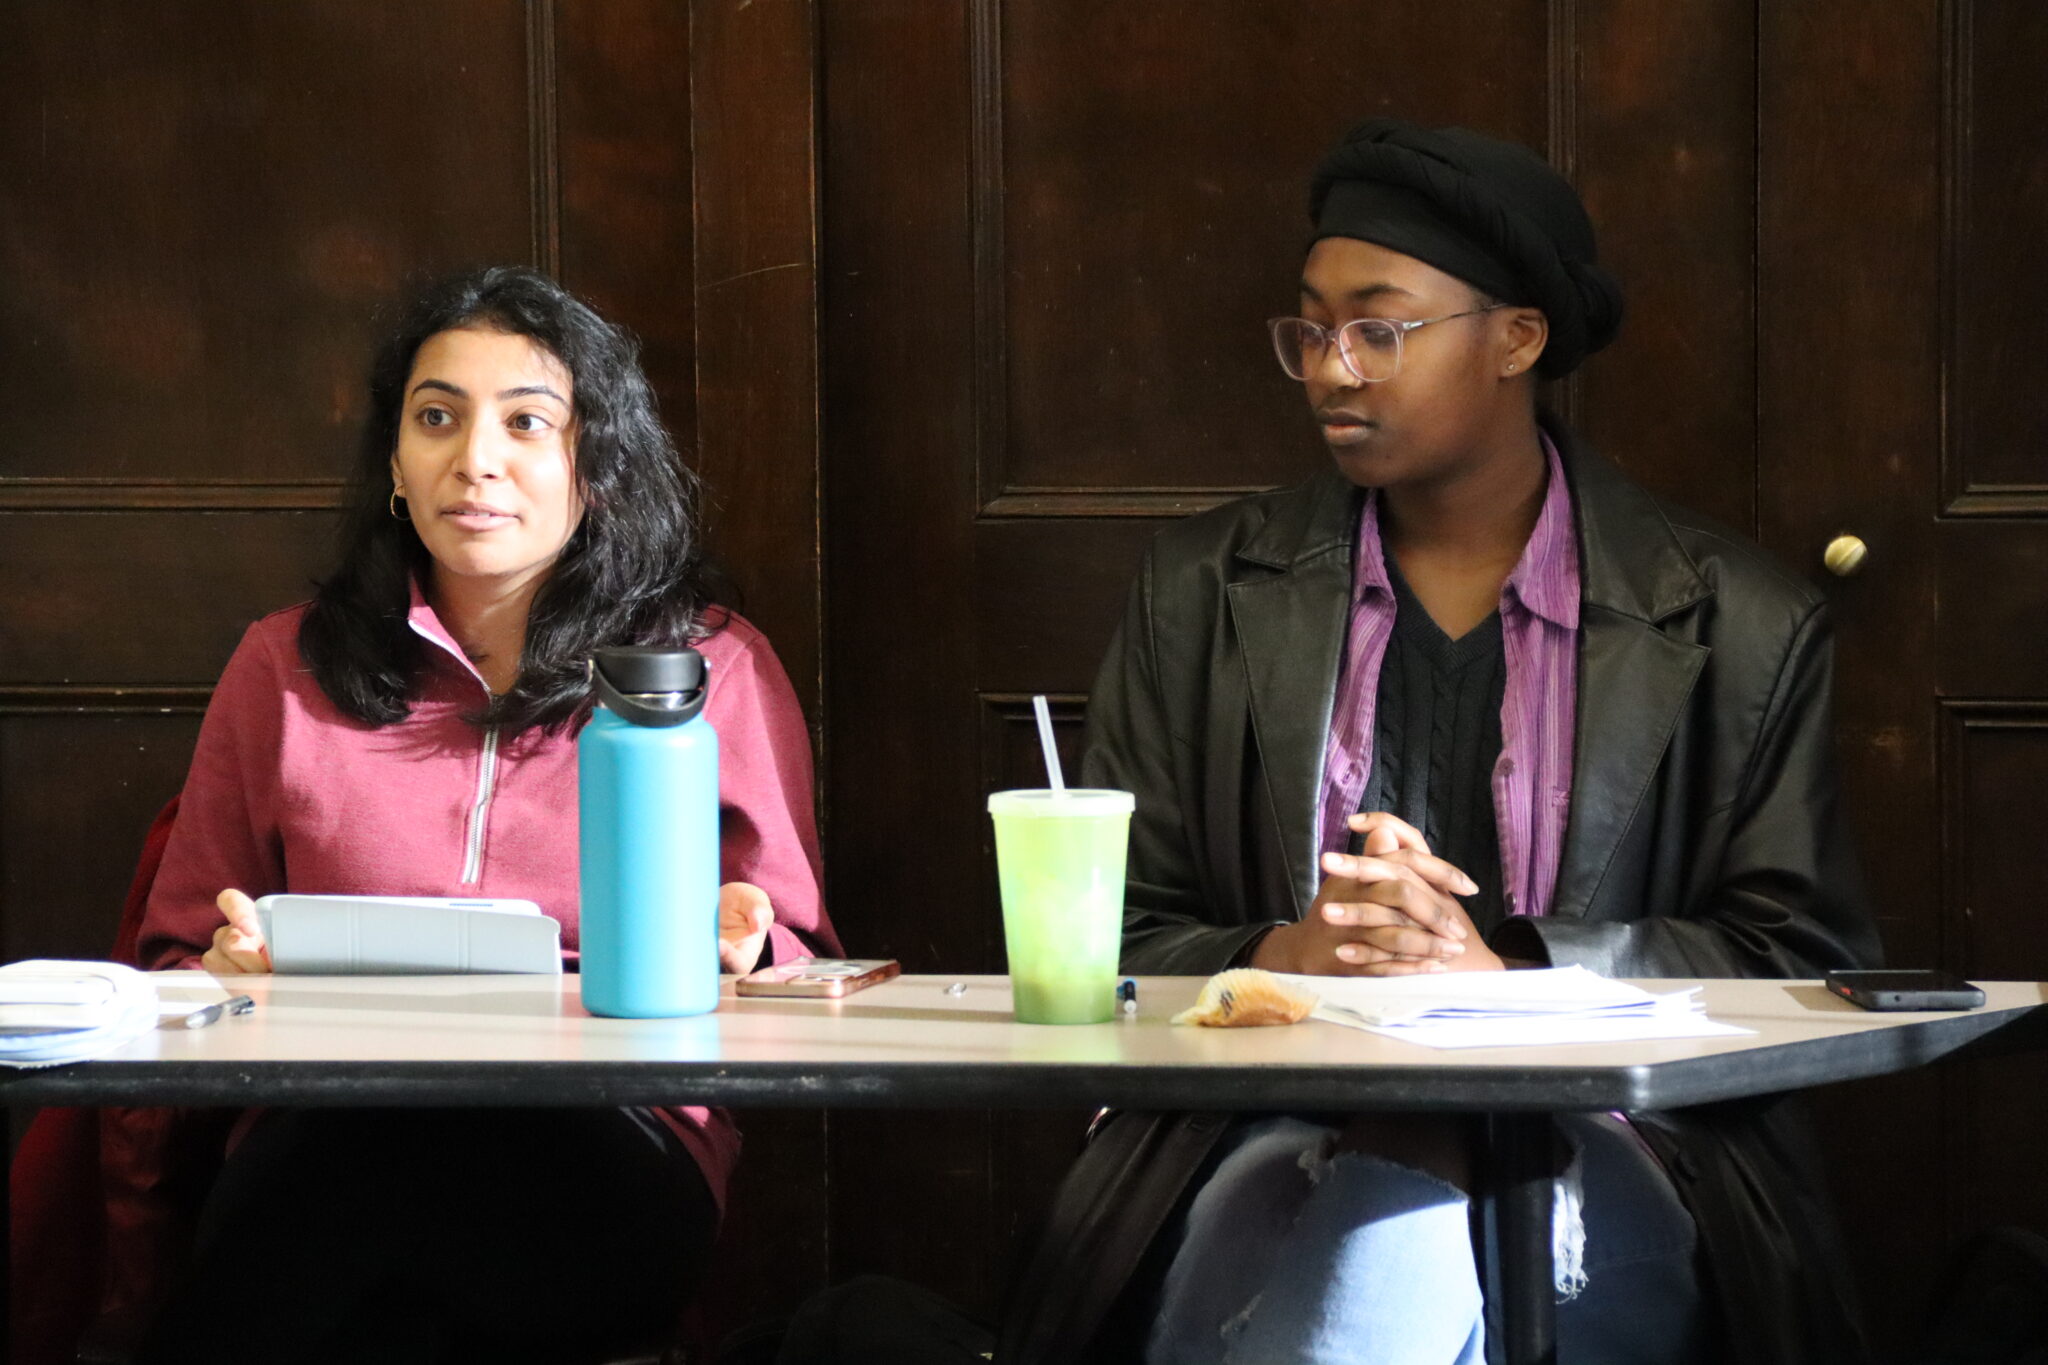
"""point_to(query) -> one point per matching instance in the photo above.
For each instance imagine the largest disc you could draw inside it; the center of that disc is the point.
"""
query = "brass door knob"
(1845, 555)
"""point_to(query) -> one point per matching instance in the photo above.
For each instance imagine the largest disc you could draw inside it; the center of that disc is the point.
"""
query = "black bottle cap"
(656, 688)
(636, 670)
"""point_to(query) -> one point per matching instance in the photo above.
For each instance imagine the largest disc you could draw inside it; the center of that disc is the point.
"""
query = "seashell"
(1245, 997)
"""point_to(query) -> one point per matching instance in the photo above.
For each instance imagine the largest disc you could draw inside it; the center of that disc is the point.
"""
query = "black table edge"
(1505, 1088)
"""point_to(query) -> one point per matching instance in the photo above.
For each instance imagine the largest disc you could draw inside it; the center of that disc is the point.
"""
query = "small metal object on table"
(501, 1040)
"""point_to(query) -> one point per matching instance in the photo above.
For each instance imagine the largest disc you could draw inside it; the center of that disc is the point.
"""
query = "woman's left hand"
(744, 915)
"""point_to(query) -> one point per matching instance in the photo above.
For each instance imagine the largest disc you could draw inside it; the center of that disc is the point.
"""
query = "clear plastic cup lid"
(1066, 804)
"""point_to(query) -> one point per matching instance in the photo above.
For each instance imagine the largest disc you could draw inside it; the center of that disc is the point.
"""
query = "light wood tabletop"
(912, 1041)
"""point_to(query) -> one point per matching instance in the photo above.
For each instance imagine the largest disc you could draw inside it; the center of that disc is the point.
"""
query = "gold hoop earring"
(393, 504)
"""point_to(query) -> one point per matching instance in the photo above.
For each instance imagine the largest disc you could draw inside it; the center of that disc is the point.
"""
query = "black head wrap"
(1492, 213)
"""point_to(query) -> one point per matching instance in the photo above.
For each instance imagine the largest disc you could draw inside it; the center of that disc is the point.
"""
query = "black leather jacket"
(1705, 838)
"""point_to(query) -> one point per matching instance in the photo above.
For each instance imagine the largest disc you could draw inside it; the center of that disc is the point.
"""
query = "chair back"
(57, 1241)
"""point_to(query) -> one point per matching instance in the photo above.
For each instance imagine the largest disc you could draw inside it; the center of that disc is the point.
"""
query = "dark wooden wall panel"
(1658, 127)
(201, 208)
(77, 791)
(1993, 638)
(756, 291)
(73, 588)
(1993, 752)
(1849, 433)
(1999, 422)
(617, 78)
(1048, 594)
(898, 390)
(1848, 441)
(908, 1192)
(1154, 212)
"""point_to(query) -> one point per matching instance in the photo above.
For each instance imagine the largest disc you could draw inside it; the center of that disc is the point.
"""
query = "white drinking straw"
(1052, 755)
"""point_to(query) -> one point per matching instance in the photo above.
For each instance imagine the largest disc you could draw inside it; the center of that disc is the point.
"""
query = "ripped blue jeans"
(1290, 1255)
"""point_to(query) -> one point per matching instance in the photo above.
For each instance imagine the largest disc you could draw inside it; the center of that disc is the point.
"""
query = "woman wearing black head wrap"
(1492, 213)
(1467, 701)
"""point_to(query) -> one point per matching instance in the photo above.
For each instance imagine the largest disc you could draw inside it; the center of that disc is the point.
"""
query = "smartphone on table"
(818, 977)
(1905, 990)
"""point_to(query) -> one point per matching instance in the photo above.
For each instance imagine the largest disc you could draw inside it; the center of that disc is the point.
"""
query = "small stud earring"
(1511, 367)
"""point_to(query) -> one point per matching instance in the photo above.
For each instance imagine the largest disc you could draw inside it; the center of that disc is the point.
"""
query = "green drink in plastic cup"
(1060, 859)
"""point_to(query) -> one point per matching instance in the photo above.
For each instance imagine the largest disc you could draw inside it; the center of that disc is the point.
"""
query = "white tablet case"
(407, 936)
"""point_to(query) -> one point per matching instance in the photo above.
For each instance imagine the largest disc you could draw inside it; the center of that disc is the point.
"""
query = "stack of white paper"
(1507, 1009)
(53, 1012)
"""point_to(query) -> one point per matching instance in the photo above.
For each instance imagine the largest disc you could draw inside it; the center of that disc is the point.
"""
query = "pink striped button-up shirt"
(1532, 778)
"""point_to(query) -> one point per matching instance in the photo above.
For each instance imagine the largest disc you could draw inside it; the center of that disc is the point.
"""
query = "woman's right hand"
(238, 945)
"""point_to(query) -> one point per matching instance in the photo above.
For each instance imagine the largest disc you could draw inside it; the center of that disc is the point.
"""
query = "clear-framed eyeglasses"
(1369, 347)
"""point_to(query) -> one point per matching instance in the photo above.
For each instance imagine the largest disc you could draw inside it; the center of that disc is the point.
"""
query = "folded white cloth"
(53, 1011)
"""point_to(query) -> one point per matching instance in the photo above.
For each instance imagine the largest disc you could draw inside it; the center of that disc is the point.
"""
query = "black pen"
(208, 1014)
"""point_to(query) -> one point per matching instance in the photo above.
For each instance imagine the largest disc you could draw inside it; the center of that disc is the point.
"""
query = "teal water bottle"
(647, 778)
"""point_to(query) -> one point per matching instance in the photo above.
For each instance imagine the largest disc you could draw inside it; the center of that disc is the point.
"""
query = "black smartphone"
(1905, 990)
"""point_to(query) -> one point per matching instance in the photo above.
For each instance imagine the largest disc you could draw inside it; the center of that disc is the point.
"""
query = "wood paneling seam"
(985, 231)
(1952, 163)
(543, 137)
(1015, 504)
(154, 495)
(1561, 114)
(46, 699)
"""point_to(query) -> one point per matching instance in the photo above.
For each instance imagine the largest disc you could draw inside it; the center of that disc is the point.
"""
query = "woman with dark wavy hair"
(411, 732)
(630, 568)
